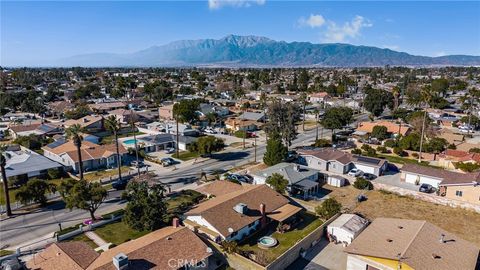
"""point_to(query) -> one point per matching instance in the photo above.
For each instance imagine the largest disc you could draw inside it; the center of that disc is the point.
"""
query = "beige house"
(166, 112)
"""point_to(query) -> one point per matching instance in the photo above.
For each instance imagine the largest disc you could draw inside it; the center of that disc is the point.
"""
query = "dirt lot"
(464, 223)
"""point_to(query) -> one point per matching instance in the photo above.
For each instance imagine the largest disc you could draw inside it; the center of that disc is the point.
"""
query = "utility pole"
(177, 135)
(135, 140)
(255, 144)
(421, 138)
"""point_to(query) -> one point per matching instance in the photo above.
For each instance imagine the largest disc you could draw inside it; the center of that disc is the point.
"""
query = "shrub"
(361, 183)
(328, 208)
(54, 173)
(467, 167)
(322, 143)
(380, 132)
(399, 151)
(356, 151)
(390, 143)
(415, 155)
(229, 247)
(452, 146)
(382, 149)
(240, 134)
(474, 150)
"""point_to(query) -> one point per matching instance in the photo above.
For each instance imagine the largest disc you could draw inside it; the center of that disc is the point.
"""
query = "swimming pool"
(129, 142)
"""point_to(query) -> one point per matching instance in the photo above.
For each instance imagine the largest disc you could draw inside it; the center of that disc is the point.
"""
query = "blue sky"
(35, 32)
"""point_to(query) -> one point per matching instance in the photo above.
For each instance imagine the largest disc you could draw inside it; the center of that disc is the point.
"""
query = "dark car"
(291, 156)
(426, 188)
(369, 176)
(119, 184)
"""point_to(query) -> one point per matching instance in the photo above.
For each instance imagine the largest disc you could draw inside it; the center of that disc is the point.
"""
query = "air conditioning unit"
(120, 261)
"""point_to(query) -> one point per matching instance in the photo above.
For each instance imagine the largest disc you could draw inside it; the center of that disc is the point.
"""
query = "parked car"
(119, 184)
(355, 172)
(210, 131)
(369, 176)
(291, 156)
(140, 164)
(238, 177)
(169, 150)
(426, 188)
(167, 161)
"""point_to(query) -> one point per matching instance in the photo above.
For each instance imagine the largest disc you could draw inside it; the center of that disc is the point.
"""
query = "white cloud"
(441, 53)
(349, 30)
(315, 20)
(217, 4)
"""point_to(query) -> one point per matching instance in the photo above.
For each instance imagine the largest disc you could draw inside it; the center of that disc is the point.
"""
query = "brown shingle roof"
(22, 128)
(66, 255)
(154, 250)
(391, 127)
(448, 177)
(220, 213)
(327, 154)
(417, 243)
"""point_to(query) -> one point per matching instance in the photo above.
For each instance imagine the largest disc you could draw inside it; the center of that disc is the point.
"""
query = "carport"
(306, 187)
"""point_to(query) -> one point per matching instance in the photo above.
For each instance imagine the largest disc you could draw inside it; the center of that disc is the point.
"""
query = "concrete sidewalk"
(95, 238)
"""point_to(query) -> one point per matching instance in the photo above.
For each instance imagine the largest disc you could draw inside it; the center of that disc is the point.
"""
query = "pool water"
(129, 142)
(267, 242)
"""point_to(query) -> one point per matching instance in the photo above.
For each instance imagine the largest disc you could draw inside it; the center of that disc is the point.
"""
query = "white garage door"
(412, 178)
(366, 169)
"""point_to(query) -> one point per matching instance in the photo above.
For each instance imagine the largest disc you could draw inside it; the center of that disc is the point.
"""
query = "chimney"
(120, 261)
(175, 222)
(442, 238)
(263, 219)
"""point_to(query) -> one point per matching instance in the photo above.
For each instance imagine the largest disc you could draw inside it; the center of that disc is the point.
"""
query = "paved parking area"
(394, 180)
(324, 255)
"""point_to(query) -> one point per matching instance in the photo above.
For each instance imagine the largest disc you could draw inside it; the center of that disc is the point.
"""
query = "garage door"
(366, 169)
(412, 178)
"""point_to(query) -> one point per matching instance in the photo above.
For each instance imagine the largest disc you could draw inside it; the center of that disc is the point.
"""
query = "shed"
(345, 228)
(336, 181)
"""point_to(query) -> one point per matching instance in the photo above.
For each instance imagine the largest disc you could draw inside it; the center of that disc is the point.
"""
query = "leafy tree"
(472, 119)
(78, 112)
(400, 113)
(416, 120)
(113, 125)
(399, 151)
(35, 190)
(276, 152)
(467, 166)
(277, 182)
(31, 141)
(337, 118)
(369, 151)
(474, 150)
(436, 145)
(74, 133)
(322, 143)
(410, 142)
(229, 247)
(380, 132)
(282, 119)
(207, 145)
(54, 173)
(361, 183)
(158, 91)
(3, 162)
(328, 208)
(377, 100)
(356, 151)
(440, 86)
(83, 195)
(146, 206)
(185, 110)
(303, 79)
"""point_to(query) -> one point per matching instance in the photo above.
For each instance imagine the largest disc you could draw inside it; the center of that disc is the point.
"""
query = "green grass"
(285, 240)
(13, 191)
(118, 232)
(186, 197)
(83, 238)
(186, 155)
(403, 160)
(4, 252)
(97, 175)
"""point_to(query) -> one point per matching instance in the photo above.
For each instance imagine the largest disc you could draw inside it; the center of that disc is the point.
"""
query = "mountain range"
(254, 51)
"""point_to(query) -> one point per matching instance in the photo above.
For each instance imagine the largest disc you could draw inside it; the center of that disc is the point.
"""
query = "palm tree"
(134, 130)
(74, 132)
(303, 98)
(425, 98)
(316, 112)
(113, 125)
(3, 162)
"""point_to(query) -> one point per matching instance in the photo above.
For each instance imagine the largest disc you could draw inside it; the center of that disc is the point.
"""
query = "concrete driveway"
(322, 256)
(394, 180)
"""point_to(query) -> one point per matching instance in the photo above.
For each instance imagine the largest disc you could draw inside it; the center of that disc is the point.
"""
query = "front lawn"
(403, 160)
(285, 240)
(83, 238)
(97, 175)
(186, 155)
(118, 232)
(183, 200)
(4, 252)
(13, 191)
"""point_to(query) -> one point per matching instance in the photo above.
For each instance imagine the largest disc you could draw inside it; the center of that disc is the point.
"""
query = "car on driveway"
(238, 177)
(139, 164)
(355, 172)
(369, 176)
(119, 184)
(426, 188)
(169, 150)
(167, 161)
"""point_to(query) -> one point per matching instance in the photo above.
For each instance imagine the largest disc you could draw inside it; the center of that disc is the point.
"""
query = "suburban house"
(21, 161)
(392, 128)
(104, 107)
(389, 243)
(94, 156)
(301, 180)
(58, 108)
(206, 109)
(173, 247)
(318, 97)
(253, 116)
(236, 124)
(336, 161)
(448, 158)
(90, 123)
(217, 188)
(171, 128)
(158, 142)
(127, 116)
(345, 228)
(453, 185)
(166, 112)
(238, 214)
(45, 130)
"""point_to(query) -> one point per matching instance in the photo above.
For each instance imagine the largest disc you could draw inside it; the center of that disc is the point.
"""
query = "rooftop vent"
(240, 208)
(436, 256)
(442, 238)
(389, 240)
(120, 261)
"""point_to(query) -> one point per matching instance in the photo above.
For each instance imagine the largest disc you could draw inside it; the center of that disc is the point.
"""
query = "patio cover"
(305, 184)
(284, 212)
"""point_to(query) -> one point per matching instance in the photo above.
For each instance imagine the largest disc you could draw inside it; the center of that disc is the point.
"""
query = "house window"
(458, 193)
